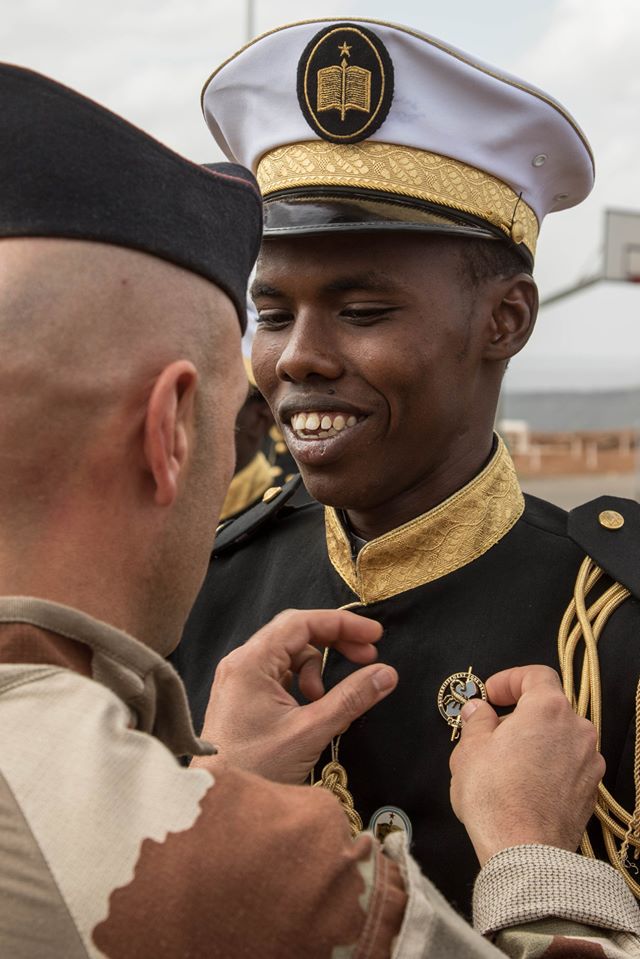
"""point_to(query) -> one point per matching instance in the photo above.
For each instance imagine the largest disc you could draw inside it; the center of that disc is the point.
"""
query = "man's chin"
(323, 488)
(337, 488)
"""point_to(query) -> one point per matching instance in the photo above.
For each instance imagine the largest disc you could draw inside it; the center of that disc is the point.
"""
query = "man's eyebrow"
(263, 289)
(372, 282)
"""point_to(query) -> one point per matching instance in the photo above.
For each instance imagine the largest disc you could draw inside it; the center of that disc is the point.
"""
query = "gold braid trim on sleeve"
(585, 623)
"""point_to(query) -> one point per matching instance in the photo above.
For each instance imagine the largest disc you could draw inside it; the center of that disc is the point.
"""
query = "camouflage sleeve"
(111, 849)
(264, 870)
(127, 855)
(431, 928)
(537, 901)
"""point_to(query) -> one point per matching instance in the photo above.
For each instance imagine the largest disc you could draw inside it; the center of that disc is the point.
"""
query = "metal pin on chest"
(455, 692)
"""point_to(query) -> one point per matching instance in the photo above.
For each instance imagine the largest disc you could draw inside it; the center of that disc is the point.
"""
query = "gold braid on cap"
(402, 172)
(585, 623)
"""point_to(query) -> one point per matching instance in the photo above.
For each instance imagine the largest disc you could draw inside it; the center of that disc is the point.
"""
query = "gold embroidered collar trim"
(436, 543)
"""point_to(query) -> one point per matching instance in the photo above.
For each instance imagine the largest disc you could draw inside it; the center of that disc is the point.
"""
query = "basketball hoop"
(622, 246)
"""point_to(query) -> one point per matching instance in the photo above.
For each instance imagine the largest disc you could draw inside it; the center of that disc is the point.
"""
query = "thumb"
(347, 701)
(478, 719)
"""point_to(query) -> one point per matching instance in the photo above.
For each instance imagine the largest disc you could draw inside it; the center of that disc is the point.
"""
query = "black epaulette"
(273, 502)
(608, 530)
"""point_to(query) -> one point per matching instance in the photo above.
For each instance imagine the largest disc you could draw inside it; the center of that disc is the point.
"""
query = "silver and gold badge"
(455, 693)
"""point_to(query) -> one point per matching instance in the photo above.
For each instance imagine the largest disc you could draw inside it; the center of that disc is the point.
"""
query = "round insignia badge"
(345, 83)
(454, 693)
(389, 819)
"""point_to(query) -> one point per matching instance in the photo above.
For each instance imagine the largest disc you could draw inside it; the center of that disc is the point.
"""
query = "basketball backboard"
(622, 246)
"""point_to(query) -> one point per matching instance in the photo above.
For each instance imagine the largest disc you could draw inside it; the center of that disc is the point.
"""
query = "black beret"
(69, 168)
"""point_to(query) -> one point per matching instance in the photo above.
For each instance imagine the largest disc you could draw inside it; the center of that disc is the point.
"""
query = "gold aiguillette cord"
(334, 775)
(584, 623)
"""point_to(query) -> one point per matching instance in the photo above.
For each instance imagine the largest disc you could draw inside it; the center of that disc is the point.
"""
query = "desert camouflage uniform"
(110, 848)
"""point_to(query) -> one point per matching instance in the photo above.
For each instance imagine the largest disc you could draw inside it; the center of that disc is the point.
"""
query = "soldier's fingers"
(353, 636)
(478, 720)
(507, 687)
(348, 700)
(290, 631)
(476, 715)
(599, 768)
(308, 665)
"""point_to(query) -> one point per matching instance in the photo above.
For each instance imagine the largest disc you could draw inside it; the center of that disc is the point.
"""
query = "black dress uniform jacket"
(482, 581)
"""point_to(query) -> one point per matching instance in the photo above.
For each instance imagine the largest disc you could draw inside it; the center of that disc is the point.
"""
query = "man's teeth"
(321, 424)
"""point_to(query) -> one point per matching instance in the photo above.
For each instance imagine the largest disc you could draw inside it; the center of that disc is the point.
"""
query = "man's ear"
(513, 317)
(168, 428)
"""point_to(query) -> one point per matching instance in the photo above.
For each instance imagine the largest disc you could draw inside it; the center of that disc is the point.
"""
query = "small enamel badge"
(389, 819)
(454, 693)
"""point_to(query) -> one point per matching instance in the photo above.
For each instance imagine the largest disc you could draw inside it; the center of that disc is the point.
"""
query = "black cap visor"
(315, 212)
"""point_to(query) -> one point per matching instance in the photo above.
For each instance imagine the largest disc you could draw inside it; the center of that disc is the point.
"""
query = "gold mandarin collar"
(436, 543)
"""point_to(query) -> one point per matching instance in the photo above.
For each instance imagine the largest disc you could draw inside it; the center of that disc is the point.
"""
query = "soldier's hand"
(256, 723)
(530, 777)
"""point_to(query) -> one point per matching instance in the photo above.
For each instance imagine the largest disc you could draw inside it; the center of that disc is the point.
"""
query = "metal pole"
(251, 29)
(580, 285)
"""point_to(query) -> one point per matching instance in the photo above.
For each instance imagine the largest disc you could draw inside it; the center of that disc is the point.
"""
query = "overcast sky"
(148, 60)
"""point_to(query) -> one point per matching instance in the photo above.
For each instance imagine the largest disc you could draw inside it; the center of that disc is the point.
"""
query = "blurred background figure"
(254, 474)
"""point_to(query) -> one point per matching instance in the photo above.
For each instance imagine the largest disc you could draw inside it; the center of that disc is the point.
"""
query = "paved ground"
(570, 491)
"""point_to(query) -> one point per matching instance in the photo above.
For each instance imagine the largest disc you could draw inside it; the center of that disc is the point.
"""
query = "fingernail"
(383, 679)
(469, 709)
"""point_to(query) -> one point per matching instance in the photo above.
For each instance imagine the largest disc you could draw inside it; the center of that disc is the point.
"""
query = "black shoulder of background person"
(612, 545)
(292, 495)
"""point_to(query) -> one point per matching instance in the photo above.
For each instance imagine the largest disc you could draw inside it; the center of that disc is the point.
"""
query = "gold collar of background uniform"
(436, 543)
(247, 486)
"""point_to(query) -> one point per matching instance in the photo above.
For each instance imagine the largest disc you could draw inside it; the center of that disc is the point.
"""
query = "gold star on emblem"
(345, 50)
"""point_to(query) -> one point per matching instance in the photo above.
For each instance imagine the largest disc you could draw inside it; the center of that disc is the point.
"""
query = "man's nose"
(311, 350)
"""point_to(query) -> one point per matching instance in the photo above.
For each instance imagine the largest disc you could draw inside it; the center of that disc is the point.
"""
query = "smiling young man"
(382, 360)
(404, 187)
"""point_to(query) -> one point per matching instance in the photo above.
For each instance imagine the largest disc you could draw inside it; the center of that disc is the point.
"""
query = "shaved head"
(87, 330)
(86, 327)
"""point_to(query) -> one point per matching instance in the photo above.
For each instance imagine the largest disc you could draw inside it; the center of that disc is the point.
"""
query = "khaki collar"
(141, 678)
(439, 542)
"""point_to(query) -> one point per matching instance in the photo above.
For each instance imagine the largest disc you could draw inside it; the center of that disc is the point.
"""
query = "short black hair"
(484, 259)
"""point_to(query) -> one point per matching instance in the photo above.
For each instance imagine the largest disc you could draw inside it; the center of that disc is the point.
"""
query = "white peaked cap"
(418, 126)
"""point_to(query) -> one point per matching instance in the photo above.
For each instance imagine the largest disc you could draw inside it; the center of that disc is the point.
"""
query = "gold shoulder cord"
(620, 829)
(586, 623)
(334, 775)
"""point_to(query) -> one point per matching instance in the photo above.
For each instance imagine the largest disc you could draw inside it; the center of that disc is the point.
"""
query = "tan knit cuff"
(531, 882)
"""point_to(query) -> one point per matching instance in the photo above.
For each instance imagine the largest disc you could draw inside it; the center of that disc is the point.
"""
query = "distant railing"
(545, 453)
